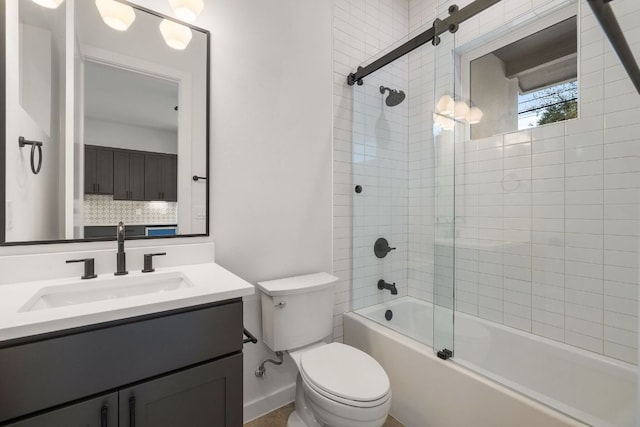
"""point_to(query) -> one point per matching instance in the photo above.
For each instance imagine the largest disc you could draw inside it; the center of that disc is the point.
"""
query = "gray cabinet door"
(99, 412)
(153, 177)
(121, 181)
(128, 175)
(170, 178)
(161, 177)
(208, 395)
(98, 170)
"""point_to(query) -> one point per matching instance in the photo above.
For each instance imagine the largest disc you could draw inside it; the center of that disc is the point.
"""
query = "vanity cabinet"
(98, 170)
(128, 175)
(161, 177)
(177, 368)
(98, 412)
(193, 398)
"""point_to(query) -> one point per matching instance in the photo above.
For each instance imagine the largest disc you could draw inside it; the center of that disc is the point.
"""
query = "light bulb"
(474, 116)
(49, 4)
(116, 15)
(460, 110)
(445, 105)
(187, 10)
(175, 35)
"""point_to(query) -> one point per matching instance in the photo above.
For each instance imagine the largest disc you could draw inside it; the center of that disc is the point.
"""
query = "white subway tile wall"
(370, 149)
(547, 219)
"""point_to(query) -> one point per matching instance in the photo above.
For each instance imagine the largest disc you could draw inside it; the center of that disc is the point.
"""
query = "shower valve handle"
(381, 248)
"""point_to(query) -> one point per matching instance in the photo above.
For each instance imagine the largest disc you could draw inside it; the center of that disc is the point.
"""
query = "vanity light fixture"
(49, 4)
(116, 15)
(187, 10)
(175, 35)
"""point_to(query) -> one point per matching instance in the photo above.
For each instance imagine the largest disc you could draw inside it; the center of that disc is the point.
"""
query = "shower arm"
(451, 23)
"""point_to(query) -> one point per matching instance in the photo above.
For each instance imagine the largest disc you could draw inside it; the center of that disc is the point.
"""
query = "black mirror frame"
(3, 139)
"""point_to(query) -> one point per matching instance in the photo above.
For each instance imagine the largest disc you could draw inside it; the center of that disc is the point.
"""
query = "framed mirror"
(106, 119)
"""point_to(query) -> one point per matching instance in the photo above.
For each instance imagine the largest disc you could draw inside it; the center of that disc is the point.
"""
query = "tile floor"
(278, 418)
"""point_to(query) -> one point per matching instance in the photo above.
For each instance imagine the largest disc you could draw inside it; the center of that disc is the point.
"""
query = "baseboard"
(264, 405)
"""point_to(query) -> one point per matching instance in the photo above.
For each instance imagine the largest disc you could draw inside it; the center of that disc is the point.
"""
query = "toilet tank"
(297, 311)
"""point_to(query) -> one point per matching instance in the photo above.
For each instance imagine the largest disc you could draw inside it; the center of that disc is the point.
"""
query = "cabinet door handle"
(98, 188)
(132, 411)
(94, 188)
(104, 416)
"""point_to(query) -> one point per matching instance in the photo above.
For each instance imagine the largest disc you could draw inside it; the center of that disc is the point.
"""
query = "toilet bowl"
(341, 386)
(337, 385)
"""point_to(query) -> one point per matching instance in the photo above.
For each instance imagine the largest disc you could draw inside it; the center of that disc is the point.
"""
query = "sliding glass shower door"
(444, 149)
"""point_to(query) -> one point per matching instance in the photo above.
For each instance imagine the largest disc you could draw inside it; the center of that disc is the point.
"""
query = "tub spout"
(389, 286)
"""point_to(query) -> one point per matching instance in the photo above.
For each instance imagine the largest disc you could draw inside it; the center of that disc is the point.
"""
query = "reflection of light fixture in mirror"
(175, 35)
(474, 116)
(117, 15)
(49, 4)
(445, 105)
(460, 110)
(187, 10)
(456, 111)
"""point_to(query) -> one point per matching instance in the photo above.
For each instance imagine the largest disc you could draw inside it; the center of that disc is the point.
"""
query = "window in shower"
(549, 105)
(527, 82)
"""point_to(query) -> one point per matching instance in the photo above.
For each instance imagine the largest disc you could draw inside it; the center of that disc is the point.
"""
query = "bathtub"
(499, 376)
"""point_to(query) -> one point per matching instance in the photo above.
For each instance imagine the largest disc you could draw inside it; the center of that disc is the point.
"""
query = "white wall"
(34, 207)
(271, 134)
(121, 135)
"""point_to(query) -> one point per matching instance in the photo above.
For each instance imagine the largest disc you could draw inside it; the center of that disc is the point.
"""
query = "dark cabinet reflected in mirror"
(123, 121)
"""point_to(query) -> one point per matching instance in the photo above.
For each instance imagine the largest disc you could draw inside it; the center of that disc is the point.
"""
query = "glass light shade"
(49, 4)
(187, 10)
(460, 110)
(474, 116)
(118, 16)
(445, 105)
(175, 35)
(443, 122)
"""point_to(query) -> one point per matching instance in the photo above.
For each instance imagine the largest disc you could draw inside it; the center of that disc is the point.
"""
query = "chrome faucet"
(121, 260)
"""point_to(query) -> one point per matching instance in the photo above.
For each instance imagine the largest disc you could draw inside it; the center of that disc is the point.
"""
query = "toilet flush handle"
(281, 305)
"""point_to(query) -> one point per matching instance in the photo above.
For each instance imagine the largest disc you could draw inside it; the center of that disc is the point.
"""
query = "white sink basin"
(107, 288)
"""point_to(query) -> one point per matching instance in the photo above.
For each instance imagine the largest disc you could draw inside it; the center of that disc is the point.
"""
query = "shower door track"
(451, 23)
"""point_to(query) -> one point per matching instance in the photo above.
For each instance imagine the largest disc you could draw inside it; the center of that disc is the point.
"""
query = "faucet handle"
(89, 272)
(148, 262)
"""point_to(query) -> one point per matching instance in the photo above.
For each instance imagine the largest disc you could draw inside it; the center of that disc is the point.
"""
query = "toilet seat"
(345, 375)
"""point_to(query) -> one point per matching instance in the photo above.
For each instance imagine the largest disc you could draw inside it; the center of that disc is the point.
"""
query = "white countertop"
(210, 282)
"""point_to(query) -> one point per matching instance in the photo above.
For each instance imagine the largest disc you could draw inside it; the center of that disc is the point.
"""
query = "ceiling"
(542, 59)
(122, 96)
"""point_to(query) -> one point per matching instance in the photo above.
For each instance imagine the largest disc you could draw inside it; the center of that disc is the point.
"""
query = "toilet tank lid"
(297, 284)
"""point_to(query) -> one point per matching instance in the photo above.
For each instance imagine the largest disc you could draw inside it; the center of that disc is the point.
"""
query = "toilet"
(337, 385)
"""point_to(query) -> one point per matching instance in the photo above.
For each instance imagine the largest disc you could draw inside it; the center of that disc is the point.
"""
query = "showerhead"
(394, 98)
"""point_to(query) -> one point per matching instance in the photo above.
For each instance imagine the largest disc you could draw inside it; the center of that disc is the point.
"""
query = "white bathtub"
(499, 375)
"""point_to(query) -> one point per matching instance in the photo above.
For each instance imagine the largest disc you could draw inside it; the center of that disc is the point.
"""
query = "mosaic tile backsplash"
(103, 210)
